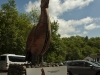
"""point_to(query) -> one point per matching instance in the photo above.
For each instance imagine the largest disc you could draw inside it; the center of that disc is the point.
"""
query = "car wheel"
(98, 73)
(68, 73)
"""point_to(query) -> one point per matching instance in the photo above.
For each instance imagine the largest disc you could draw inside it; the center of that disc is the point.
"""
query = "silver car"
(82, 67)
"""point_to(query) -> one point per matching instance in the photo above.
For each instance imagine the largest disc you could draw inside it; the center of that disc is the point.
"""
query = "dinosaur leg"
(33, 60)
(40, 59)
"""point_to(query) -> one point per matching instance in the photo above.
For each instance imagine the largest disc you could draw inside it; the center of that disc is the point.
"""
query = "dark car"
(82, 67)
(96, 62)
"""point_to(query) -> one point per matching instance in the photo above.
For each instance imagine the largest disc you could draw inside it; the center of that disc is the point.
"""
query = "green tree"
(8, 16)
(56, 52)
(34, 15)
(87, 51)
(14, 28)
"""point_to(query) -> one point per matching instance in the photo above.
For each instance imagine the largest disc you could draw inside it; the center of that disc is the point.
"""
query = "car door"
(88, 69)
(76, 67)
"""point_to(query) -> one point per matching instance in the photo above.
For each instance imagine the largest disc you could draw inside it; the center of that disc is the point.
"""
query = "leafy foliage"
(14, 28)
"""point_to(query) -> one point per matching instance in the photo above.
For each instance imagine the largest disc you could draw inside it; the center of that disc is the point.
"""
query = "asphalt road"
(3, 73)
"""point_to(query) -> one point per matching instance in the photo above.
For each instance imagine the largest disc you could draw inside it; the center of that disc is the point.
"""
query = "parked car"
(96, 62)
(7, 59)
(82, 67)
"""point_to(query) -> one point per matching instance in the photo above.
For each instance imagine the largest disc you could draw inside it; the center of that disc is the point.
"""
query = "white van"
(7, 59)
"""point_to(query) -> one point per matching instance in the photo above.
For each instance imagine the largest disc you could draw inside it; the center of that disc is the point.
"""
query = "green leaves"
(14, 29)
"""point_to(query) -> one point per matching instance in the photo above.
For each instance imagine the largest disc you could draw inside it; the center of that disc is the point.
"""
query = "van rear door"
(3, 63)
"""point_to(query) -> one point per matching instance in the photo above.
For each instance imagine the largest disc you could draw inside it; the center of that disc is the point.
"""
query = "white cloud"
(31, 5)
(91, 26)
(85, 32)
(70, 25)
(57, 8)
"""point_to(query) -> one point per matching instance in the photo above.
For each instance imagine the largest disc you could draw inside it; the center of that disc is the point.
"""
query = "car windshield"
(97, 63)
(94, 64)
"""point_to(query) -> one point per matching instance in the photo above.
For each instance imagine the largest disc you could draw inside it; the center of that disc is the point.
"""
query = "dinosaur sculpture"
(39, 38)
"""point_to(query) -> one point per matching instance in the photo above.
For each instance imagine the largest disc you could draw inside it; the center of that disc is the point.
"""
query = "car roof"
(11, 55)
(7, 54)
(75, 60)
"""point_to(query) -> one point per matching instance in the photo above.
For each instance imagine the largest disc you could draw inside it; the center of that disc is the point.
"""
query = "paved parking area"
(3, 73)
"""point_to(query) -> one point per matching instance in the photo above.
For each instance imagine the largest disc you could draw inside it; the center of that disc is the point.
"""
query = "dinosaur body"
(39, 38)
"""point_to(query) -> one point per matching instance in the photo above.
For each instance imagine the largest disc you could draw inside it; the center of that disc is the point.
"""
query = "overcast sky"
(75, 17)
